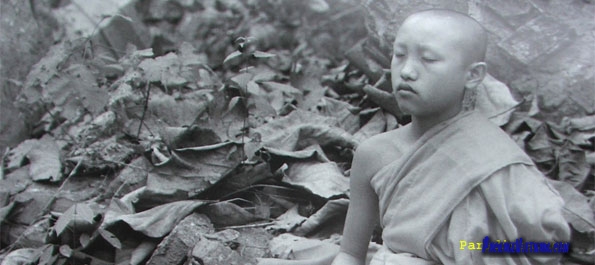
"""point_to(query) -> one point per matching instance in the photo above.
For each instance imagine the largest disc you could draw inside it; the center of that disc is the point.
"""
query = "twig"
(145, 107)
(248, 226)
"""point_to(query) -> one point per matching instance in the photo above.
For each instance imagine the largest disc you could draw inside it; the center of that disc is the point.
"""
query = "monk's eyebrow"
(425, 49)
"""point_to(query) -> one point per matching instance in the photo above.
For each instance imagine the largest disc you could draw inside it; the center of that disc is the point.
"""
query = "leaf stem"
(145, 107)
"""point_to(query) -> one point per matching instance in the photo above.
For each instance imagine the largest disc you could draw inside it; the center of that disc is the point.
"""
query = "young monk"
(450, 176)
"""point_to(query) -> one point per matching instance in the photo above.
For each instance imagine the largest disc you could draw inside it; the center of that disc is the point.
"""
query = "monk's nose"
(408, 71)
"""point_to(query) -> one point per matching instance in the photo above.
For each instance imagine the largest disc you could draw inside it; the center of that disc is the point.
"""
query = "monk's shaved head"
(471, 35)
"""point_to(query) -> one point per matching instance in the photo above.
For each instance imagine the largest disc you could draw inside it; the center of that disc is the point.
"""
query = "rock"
(176, 246)
(541, 36)
(214, 252)
(254, 242)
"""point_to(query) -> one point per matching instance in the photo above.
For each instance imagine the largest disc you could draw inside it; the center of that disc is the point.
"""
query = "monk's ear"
(475, 74)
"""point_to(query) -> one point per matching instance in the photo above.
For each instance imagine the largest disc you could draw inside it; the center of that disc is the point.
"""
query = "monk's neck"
(420, 125)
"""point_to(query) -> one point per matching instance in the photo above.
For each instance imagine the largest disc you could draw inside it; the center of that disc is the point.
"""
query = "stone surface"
(245, 247)
(175, 247)
(253, 243)
(541, 36)
(213, 252)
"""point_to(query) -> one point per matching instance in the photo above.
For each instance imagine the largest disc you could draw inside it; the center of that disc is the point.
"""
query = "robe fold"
(465, 179)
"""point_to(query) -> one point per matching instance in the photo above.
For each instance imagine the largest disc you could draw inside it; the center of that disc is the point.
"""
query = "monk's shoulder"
(380, 150)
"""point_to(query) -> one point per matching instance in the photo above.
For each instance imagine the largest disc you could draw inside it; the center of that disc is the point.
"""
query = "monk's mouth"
(405, 87)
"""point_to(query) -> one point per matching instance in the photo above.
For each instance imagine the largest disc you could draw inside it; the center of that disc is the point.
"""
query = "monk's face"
(429, 66)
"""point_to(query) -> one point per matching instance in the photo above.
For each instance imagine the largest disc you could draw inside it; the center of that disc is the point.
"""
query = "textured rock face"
(175, 247)
(537, 47)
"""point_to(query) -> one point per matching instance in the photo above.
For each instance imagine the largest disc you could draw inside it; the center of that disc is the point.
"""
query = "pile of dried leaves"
(202, 155)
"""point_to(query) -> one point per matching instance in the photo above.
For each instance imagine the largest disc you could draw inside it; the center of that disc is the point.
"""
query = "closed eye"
(429, 59)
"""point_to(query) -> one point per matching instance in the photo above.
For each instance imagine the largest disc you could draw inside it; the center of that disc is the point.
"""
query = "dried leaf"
(153, 68)
(323, 179)
(48, 256)
(17, 156)
(110, 238)
(142, 252)
(576, 208)
(254, 89)
(66, 251)
(262, 55)
(495, 100)
(34, 235)
(313, 151)
(180, 111)
(85, 240)
(5, 211)
(374, 126)
(241, 80)
(78, 215)
(187, 53)
(191, 171)
(573, 167)
(45, 161)
(117, 208)
(299, 130)
(581, 138)
(44, 71)
(188, 137)
(384, 99)
(158, 221)
(228, 214)
(330, 210)
(227, 124)
(21, 256)
(288, 221)
(346, 114)
(540, 147)
(258, 106)
(83, 86)
(232, 57)
(165, 69)
(287, 89)
(579, 124)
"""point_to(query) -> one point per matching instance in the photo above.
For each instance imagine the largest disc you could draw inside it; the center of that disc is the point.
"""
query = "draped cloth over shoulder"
(418, 192)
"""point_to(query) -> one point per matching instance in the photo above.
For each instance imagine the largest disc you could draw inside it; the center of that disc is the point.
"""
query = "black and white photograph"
(297, 132)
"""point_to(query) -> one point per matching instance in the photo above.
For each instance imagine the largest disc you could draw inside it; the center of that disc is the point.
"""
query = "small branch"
(145, 107)
(248, 226)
